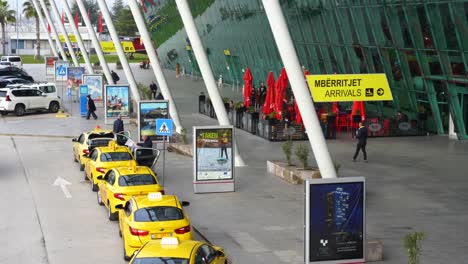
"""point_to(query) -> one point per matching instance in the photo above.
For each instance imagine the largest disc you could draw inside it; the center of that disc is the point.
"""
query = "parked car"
(15, 72)
(47, 88)
(14, 60)
(9, 81)
(21, 100)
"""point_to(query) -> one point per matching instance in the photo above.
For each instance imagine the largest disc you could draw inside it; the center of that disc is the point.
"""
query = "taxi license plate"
(160, 235)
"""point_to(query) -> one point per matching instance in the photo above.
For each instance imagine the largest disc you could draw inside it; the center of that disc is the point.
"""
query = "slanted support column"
(95, 41)
(44, 26)
(64, 32)
(205, 70)
(89, 67)
(120, 52)
(150, 50)
(299, 87)
(53, 30)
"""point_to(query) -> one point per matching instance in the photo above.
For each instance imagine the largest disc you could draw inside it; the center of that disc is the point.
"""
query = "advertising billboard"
(95, 85)
(148, 112)
(335, 220)
(117, 98)
(74, 78)
(50, 67)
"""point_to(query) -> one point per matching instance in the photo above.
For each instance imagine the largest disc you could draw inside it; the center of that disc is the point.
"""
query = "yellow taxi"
(152, 217)
(90, 139)
(121, 183)
(101, 159)
(173, 250)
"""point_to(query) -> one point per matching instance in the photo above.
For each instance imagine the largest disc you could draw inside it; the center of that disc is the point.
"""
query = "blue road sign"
(61, 71)
(163, 127)
(69, 93)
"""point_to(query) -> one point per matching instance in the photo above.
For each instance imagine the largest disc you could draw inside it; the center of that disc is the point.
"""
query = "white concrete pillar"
(79, 40)
(150, 50)
(120, 52)
(205, 70)
(95, 41)
(44, 26)
(299, 87)
(64, 32)
(53, 30)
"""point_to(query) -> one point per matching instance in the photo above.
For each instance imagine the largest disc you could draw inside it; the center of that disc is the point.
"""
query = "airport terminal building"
(422, 47)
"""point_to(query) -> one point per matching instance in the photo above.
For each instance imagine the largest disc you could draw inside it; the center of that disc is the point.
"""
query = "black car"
(14, 80)
(15, 72)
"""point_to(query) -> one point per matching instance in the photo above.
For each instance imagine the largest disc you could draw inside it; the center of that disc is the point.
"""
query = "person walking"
(91, 107)
(361, 136)
(154, 89)
(115, 77)
(118, 125)
(160, 96)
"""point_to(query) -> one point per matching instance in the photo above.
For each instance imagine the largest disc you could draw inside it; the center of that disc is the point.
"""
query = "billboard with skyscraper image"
(335, 220)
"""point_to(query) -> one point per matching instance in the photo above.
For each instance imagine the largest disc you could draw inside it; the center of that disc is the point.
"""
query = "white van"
(14, 60)
(48, 89)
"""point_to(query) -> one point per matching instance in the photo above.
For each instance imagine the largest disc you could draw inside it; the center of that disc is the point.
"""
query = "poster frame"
(307, 218)
(125, 118)
(156, 137)
(50, 77)
(213, 185)
(102, 84)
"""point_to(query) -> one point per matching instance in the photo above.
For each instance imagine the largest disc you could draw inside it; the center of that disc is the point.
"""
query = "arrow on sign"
(63, 185)
(380, 91)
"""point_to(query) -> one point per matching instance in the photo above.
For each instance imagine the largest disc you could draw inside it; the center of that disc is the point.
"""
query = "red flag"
(247, 87)
(298, 119)
(63, 18)
(100, 22)
(48, 28)
(269, 104)
(76, 18)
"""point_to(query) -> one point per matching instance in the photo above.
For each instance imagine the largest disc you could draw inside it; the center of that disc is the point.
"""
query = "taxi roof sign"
(349, 87)
(154, 196)
(169, 241)
(133, 165)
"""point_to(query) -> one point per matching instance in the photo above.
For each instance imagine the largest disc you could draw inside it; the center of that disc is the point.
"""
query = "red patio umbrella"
(298, 119)
(358, 105)
(269, 104)
(335, 109)
(281, 85)
(247, 88)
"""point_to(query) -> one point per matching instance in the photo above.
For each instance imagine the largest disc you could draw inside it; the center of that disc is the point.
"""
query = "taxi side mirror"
(74, 140)
(99, 177)
(85, 155)
(185, 203)
(220, 253)
(119, 206)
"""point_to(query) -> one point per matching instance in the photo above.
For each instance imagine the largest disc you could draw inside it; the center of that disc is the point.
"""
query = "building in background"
(420, 45)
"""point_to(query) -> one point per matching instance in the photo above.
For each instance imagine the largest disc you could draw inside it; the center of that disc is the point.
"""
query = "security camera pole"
(52, 29)
(205, 68)
(140, 22)
(120, 52)
(44, 25)
(64, 32)
(299, 87)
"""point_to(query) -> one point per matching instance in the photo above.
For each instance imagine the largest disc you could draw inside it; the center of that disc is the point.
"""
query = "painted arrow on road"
(63, 185)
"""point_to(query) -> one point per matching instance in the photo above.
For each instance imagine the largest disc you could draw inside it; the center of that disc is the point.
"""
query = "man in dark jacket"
(115, 77)
(147, 143)
(160, 97)
(361, 136)
(118, 125)
(91, 107)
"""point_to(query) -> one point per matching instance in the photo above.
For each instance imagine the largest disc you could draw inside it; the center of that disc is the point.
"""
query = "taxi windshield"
(159, 213)
(115, 156)
(160, 261)
(137, 179)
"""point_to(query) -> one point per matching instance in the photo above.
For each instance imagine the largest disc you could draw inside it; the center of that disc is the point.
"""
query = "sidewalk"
(413, 184)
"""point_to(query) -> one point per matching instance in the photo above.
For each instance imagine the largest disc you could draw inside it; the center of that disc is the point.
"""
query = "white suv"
(14, 60)
(20, 100)
(47, 88)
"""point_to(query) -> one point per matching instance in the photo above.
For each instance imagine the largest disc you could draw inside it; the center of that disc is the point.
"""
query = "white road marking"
(248, 243)
(63, 185)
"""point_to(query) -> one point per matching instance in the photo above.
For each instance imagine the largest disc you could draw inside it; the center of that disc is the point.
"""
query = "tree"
(30, 12)
(7, 16)
(116, 8)
(125, 23)
(91, 7)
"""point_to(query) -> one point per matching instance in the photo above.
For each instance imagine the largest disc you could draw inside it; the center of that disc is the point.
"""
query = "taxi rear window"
(115, 156)
(101, 135)
(99, 142)
(159, 213)
(136, 179)
(168, 260)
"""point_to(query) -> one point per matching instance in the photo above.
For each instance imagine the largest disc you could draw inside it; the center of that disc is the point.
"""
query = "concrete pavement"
(413, 184)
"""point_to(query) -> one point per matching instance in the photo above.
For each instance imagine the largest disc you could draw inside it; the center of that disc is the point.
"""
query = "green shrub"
(144, 90)
(412, 243)
(183, 134)
(302, 153)
(287, 149)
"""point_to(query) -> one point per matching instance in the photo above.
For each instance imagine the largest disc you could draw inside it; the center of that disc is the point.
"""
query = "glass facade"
(422, 46)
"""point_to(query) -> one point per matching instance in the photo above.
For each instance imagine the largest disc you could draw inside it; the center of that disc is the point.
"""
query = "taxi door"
(124, 216)
(107, 188)
(90, 164)
(207, 254)
(78, 146)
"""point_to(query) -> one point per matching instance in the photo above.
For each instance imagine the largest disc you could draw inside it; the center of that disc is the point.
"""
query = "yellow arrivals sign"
(108, 46)
(349, 87)
(70, 36)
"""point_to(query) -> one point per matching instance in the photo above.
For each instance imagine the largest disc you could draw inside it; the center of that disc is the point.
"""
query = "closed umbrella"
(281, 85)
(247, 88)
(358, 105)
(269, 104)
(298, 119)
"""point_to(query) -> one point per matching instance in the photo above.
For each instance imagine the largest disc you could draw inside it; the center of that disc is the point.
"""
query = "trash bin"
(201, 103)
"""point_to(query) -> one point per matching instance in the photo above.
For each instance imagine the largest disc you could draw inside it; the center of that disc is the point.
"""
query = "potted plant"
(412, 244)
(287, 150)
(302, 154)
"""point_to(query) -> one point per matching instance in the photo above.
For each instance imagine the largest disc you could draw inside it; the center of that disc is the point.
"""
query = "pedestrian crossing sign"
(164, 127)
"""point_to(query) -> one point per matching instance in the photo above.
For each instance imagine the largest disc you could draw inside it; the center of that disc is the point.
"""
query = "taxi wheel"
(98, 196)
(112, 216)
(74, 158)
(94, 187)
(85, 176)
(127, 258)
(81, 167)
